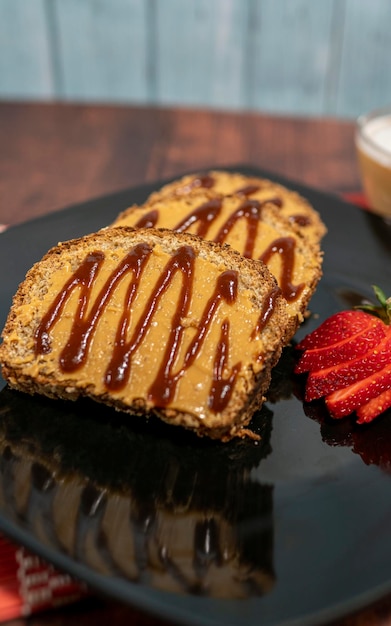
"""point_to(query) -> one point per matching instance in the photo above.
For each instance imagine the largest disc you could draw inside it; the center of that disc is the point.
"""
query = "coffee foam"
(375, 139)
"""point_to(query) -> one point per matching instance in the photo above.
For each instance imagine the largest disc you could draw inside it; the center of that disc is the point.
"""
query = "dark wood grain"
(56, 155)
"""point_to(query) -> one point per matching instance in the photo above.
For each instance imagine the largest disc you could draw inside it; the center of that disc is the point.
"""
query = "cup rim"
(361, 122)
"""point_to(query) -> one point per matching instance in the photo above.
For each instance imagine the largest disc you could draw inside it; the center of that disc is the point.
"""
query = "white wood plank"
(201, 52)
(103, 49)
(25, 62)
(291, 56)
(332, 78)
(365, 76)
(290, 48)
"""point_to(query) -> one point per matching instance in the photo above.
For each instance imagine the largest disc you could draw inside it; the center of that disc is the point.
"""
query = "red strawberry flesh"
(335, 329)
(367, 412)
(325, 381)
(351, 398)
(347, 349)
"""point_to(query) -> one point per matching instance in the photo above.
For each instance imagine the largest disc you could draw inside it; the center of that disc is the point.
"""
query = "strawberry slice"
(367, 412)
(346, 349)
(325, 381)
(348, 359)
(351, 398)
(336, 328)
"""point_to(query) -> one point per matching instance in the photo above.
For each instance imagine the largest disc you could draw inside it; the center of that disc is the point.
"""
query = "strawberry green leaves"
(381, 310)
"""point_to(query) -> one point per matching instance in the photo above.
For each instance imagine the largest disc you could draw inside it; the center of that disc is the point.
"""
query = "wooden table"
(56, 155)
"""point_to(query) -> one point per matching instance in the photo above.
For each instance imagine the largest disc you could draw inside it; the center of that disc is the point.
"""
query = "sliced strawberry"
(336, 328)
(348, 359)
(345, 401)
(347, 349)
(325, 381)
(367, 412)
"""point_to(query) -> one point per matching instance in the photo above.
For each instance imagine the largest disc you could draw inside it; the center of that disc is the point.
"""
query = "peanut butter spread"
(252, 227)
(291, 205)
(146, 326)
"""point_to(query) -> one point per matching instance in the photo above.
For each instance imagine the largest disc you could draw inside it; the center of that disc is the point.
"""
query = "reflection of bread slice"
(149, 321)
(290, 204)
(85, 484)
(254, 229)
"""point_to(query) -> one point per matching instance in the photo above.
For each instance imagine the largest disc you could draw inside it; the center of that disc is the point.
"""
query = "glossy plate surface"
(295, 530)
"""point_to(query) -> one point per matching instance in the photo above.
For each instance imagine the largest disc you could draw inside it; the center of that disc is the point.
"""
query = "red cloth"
(29, 585)
(356, 198)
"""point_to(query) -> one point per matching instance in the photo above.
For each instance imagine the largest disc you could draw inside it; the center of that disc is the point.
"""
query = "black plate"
(294, 531)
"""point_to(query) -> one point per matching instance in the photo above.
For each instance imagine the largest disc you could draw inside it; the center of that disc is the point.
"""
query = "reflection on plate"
(194, 531)
(372, 442)
(144, 503)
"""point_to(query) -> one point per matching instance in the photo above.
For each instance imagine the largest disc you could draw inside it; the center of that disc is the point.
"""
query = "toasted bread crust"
(18, 337)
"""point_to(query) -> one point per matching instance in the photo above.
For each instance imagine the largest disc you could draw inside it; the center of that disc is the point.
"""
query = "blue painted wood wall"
(316, 57)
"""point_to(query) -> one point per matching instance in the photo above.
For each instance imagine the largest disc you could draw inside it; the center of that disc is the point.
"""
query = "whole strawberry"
(348, 361)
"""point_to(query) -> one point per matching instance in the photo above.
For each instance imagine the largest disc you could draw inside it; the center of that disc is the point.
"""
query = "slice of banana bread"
(149, 321)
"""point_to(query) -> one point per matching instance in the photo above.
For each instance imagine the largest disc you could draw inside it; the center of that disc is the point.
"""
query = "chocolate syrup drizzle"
(250, 210)
(162, 389)
(266, 311)
(285, 248)
(206, 182)
(205, 215)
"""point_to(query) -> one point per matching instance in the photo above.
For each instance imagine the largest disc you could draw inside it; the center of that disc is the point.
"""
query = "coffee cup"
(373, 143)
